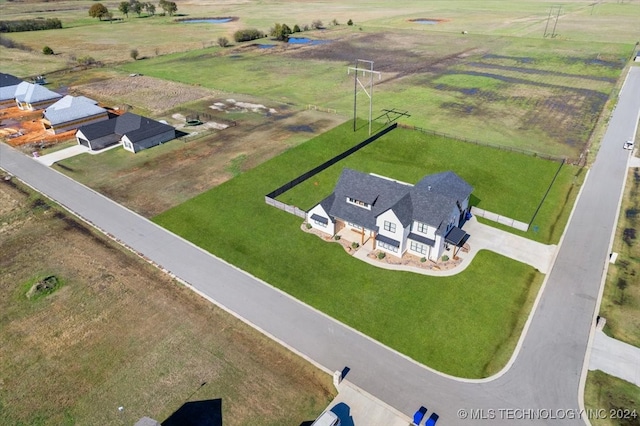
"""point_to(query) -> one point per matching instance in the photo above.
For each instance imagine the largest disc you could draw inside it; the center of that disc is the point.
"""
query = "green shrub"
(354, 245)
(308, 226)
(445, 258)
(350, 22)
(336, 237)
(423, 259)
(381, 255)
(247, 35)
(47, 50)
(223, 42)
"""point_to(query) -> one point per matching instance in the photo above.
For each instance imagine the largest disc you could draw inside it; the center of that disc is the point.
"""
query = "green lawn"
(458, 325)
(507, 183)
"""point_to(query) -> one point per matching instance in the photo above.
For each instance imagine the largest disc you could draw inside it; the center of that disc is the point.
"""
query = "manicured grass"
(456, 324)
(507, 183)
(613, 401)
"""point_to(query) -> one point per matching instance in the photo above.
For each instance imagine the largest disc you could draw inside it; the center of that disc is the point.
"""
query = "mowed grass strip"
(457, 324)
(120, 333)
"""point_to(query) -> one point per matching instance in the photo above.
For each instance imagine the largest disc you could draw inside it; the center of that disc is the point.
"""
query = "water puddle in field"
(427, 21)
(304, 40)
(265, 46)
(207, 21)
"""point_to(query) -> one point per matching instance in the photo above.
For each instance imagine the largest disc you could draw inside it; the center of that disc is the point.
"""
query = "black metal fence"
(287, 186)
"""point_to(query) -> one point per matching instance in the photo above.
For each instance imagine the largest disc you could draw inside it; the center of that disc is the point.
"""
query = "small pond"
(426, 21)
(207, 21)
(266, 46)
(304, 40)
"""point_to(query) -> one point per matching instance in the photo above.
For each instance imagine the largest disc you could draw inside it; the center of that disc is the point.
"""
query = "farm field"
(531, 94)
(502, 82)
(117, 332)
(377, 302)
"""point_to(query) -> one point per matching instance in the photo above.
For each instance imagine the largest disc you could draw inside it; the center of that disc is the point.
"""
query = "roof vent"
(429, 188)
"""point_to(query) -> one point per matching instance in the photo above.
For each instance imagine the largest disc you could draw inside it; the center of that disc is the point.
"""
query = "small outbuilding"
(133, 131)
(32, 97)
(72, 112)
(8, 86)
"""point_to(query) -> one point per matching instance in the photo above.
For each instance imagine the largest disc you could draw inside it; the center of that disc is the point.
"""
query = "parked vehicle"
(431, 421)
(328, 418)
(628, 145)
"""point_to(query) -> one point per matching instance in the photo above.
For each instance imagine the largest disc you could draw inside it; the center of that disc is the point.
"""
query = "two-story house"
(420, 219)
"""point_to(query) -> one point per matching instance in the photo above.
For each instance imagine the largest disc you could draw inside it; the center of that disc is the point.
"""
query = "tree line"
(29, 25)
(101, 12)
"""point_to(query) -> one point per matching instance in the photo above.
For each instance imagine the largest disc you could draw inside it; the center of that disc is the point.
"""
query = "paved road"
(547, 370)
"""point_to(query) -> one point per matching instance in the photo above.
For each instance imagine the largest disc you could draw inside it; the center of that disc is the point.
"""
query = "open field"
(502, 82)
(233, 222)
(172, 173)
(615, 400)
(118, 332)
(540, 95)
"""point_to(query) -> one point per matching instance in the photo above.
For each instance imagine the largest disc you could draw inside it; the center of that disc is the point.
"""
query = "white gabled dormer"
(358, 203)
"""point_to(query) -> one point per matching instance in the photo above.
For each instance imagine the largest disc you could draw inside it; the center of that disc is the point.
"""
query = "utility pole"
(366, 68)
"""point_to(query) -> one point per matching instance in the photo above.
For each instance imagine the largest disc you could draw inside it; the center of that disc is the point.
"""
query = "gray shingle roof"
(32, 93)
(134, 126)
(72, 108)
(430, 201)
(9, 80)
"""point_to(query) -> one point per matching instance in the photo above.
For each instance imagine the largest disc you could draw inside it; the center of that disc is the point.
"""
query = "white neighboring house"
(72, 112)
(133, 131)
(421, 219)
(29, 96)
(8, 86)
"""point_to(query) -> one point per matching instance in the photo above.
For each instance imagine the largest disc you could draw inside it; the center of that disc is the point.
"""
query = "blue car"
(431, 421)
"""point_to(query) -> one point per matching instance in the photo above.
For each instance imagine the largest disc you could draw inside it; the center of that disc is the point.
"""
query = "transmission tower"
(552, 10)
(366, 84)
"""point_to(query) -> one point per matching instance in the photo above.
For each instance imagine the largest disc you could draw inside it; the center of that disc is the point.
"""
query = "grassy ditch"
(621, 298)
(612, 401)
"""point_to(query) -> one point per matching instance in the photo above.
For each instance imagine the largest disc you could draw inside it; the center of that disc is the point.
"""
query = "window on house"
(422, 227)
(353, 225)
(388, 246)
(317, 222)
(418, 248)
(389, 226)
(358, 203)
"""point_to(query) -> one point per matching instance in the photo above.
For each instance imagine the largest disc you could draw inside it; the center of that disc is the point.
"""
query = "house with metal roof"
(133, 131)
(71, 112)
(422, 219)
(8, 86)
(29, 96)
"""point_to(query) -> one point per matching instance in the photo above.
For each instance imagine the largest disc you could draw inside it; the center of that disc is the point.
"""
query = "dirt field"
(23, 128)
(118, 333)
(150, 93)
